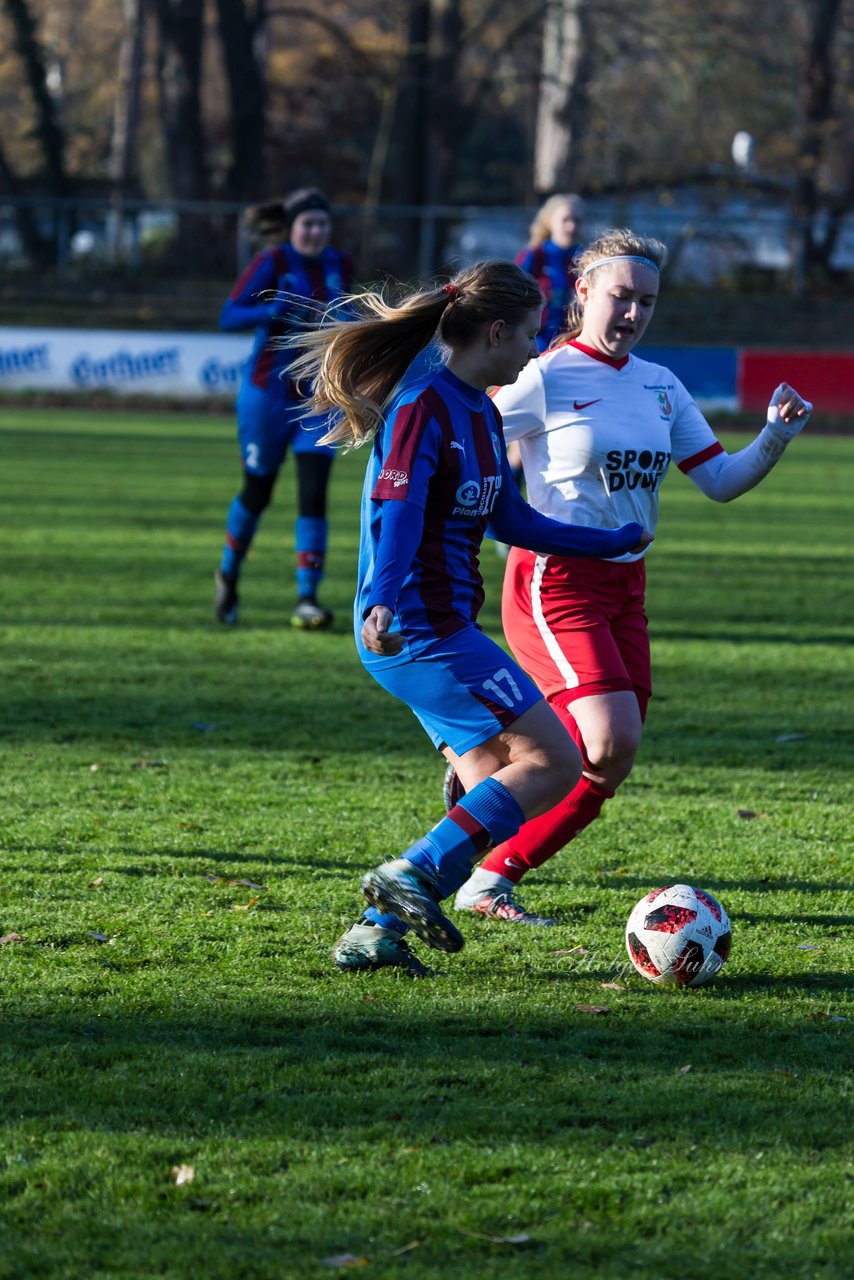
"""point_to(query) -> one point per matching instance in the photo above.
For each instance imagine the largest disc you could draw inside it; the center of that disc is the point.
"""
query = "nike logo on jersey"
(583, 404)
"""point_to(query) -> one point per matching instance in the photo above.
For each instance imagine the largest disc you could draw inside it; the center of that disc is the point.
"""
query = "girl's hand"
(644, 541)
(788, 411)
(376, 636)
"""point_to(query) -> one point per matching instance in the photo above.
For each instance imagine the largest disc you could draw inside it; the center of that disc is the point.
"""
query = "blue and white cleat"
(366, 947)
(401, 889)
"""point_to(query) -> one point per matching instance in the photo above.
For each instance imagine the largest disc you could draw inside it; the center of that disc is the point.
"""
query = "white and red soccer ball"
(678, 934)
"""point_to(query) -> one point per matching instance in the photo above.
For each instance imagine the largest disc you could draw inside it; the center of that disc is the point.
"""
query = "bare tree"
(48, 128)
(242, 34)
(179, 66)
(562, 107)
(819, 124)
(122, 163)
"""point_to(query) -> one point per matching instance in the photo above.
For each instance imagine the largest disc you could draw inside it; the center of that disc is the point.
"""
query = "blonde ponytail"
(354, 365)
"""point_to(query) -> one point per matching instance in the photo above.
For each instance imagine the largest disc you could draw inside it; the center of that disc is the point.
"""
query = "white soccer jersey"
(597, 436)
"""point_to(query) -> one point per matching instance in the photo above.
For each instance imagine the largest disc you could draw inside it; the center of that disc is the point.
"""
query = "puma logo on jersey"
(455, 444)
(583, 404)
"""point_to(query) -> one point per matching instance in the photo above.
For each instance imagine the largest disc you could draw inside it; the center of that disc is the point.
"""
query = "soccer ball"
(678, 934)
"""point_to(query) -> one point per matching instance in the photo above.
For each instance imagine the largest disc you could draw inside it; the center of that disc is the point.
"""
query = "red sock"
(541, 838)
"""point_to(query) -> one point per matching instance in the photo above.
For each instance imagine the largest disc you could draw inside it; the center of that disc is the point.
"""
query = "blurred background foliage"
(425, 104)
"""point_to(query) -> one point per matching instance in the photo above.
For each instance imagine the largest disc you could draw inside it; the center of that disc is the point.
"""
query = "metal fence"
(711, 240)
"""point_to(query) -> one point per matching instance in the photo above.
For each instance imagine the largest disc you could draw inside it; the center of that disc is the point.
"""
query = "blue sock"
(485, 816)
(384, 921)
(311, 552)
(240, 526)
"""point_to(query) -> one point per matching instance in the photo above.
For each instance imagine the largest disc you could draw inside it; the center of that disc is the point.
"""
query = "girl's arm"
(517, 523)
(727, 476)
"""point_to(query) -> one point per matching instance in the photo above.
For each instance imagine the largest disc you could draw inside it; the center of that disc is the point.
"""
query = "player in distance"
(598, 429)
(436, 477)
(286, 287)
(550, 257)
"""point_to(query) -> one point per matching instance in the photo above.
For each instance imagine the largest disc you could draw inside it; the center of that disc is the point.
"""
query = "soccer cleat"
(367, 947)
(498, 902)
(405, 891)
(225, 599)
(452, 789)
(309, 616)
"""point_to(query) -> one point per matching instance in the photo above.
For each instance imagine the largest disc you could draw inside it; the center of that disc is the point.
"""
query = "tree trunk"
(122, 162)
(48, 128)
(241, 44)
(410, 131)
(179, 67)
(818, 117)
(36, 248)
(122, 166)
(562, 107)
(443, 116)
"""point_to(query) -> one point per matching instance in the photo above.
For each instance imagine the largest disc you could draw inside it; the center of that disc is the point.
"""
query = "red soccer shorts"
(577, 626)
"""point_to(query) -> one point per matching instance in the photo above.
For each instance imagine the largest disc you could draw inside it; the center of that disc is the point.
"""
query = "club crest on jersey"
(661, 390)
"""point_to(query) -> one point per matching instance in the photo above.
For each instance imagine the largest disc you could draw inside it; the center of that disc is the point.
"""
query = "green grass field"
(157, 1011)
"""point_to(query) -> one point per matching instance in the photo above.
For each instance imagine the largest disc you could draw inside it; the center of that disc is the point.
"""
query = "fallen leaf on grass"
(593, 1008)
(612, 986)
(181, 1174)
(96, 883)
(616, 871)
(790, 737)
(573, 951)
(93, 768)
(807, 946)
(100, 937)
(750, 813)
(407, 1248)
(244, 884)
(683, 1071)
(345, 1260)
(244, 906)
(10, 937)
(521, 1238)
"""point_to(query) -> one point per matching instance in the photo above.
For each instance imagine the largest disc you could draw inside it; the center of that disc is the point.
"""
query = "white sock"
(477, 884)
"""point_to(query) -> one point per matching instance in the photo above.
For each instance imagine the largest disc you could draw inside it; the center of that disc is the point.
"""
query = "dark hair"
(271, 221)
(303, 200)
(354, 365)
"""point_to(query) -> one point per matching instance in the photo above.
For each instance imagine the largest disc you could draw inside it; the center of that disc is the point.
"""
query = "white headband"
(621, 257)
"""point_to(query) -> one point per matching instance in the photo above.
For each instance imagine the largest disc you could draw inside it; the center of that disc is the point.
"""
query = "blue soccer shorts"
(268, 424)
(463, 688)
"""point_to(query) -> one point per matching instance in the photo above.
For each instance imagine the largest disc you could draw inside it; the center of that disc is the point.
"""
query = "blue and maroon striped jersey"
(438, 476)
(298, 283)
(441, 449)
(553, 270)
